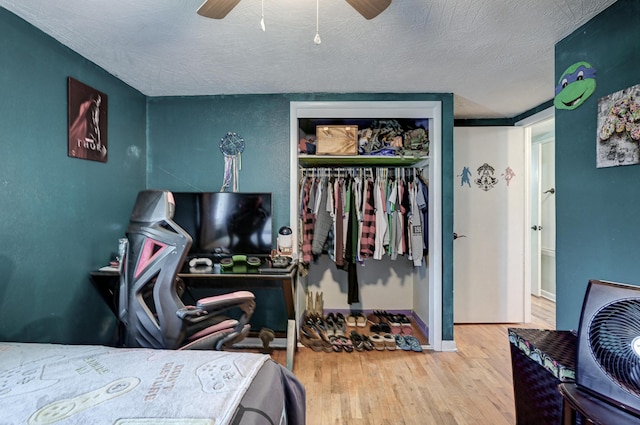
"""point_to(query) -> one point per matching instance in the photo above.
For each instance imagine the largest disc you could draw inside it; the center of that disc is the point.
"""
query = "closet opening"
(387, 283)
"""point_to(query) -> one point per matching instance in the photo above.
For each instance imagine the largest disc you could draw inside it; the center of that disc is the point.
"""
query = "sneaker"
(402, 344)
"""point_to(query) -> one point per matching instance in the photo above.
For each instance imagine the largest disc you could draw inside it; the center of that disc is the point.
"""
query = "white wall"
(383, 284)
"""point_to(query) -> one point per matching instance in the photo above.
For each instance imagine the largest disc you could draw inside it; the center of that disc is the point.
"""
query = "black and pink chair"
(150, 304)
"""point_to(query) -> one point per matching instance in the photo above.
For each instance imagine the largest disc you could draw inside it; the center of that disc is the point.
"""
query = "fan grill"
(612, 333)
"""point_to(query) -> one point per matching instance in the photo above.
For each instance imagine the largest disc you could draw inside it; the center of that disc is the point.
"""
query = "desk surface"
(239, 268)
(211, 274)
(107, 283)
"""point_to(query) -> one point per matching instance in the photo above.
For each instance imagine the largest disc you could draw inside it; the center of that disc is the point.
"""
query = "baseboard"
(449, 345)
(548, 295)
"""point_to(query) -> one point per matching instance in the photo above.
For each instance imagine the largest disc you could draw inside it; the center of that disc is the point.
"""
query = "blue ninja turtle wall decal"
(577, 83)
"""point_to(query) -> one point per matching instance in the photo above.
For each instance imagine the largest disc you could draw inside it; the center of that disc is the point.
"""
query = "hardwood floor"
(472, 386)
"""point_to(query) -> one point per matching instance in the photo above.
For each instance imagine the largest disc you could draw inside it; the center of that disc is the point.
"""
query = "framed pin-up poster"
(87, 122)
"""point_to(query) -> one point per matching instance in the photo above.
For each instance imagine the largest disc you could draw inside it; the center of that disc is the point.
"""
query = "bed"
(89, 384)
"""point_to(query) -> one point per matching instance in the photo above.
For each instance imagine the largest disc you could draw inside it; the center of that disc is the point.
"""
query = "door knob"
(536, 227)
(456, 236)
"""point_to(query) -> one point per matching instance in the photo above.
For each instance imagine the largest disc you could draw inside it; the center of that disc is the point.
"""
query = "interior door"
(535, 223)
(489, 225)
(548, 220)
(543, 227)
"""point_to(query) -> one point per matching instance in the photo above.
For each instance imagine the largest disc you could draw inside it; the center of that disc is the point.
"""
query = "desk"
(592, 408)
(246, 281)
(107, 285)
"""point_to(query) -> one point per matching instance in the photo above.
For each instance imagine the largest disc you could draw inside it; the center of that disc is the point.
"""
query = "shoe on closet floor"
(368, 345)
(310, 338)
(318, 307)
(335, 324)
(414, 344)
(387, 323)
(340, 322)
(405, 324)
(389, 342)
(336, 344)
(393, 319)
(394, 322)
(383, 328)
(347, 344)
(340, 343)
(402, 344)
(357, 340)
(378, 342)
(330, 321)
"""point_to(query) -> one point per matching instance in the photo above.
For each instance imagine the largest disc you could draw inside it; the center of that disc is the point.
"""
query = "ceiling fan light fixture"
(262, 25)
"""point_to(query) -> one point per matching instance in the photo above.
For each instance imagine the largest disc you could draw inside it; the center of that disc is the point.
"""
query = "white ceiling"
(496, 56)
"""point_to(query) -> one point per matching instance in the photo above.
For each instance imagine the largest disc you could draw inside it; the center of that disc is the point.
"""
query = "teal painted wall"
(598, 236)
(60, 217)
(184, 154)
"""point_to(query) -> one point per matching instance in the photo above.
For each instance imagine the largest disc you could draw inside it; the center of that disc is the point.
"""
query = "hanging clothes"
(346, 190)
(308, 222)
(400, 238)
(356, 188)
(351, 254)
(423, 205)
(405, 207)
(382, 225)
(324, 220)
(329, 245)
(395, 221)
(355, 217)
(416, 248)
(339, 224)
(368, 227)
(357, 214)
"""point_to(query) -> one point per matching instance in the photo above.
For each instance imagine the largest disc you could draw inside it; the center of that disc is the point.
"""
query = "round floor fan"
(218, 9)
(608, 361)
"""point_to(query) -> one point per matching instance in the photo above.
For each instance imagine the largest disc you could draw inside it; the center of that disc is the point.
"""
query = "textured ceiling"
(496, 56)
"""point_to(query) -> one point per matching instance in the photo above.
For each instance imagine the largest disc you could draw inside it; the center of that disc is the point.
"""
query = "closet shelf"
(362, 161)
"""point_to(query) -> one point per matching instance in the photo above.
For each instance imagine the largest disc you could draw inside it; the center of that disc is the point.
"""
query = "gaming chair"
(149, 302)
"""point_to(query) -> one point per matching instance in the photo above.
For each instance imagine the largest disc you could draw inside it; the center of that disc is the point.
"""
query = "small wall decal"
(508, 175)
(618, 128)
(576, 84)
(485, 180)
(465, 176)
(87, 119)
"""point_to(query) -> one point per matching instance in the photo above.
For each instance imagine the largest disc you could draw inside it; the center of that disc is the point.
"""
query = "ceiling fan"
(218, 9)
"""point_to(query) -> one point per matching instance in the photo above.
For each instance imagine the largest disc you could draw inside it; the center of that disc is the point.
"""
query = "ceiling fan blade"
(369, 8)
(216, 9)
